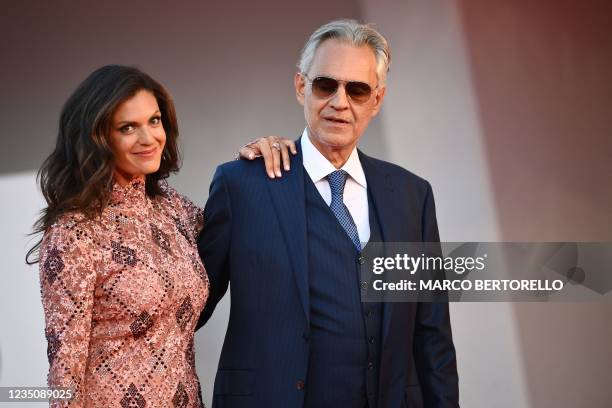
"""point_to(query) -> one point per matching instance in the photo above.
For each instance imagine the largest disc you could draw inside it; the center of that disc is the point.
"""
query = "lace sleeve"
(194, 217)
(189, 218)
(67, 278)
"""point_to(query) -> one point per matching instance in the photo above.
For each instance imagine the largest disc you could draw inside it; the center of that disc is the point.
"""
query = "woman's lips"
(146, 153)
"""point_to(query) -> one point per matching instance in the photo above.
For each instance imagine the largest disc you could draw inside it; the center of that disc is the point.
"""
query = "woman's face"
(137, 137)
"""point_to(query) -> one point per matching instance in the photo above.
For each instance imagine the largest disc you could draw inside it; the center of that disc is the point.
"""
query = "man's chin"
(339, 143)
(336, 137)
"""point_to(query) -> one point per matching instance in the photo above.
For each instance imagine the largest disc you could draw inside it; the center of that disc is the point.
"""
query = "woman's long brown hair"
(78, 175)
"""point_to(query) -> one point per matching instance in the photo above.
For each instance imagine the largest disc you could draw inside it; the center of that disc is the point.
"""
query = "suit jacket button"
(364, 285)
(300, 385)
(370, 365)
(361, 260)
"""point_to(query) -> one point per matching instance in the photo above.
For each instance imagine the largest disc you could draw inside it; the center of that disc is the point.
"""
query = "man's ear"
(300, 87)
(378, 99)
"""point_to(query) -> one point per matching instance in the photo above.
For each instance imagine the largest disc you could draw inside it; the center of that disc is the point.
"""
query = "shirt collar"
(318, 167)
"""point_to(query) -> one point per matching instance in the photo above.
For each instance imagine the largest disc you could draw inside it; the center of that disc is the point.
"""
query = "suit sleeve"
(214, 243)
(434, 350)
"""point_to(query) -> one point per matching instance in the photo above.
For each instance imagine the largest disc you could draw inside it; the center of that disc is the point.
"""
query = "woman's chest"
(149, 264)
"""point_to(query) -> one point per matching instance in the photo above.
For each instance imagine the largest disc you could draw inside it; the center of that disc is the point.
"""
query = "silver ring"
(276, 146)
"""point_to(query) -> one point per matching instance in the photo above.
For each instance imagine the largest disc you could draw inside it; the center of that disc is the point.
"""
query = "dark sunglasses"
(325, 87)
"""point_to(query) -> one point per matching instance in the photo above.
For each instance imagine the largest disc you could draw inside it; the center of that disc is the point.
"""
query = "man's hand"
(273, 149)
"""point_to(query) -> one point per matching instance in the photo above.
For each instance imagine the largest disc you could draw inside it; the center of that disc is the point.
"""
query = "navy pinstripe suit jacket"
(254, 237)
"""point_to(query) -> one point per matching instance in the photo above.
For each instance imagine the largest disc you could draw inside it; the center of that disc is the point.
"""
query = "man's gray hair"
(354, 33)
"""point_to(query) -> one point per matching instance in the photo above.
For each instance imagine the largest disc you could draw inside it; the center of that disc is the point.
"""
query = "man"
(298, 334)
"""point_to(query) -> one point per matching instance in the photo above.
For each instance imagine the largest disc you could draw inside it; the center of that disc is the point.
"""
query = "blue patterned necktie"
(337, 180)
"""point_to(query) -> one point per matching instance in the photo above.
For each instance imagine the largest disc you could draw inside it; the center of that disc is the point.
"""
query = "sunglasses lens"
(324, 87)
(358, 91)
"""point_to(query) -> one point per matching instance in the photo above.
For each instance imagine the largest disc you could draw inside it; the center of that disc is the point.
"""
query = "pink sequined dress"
(122, 295)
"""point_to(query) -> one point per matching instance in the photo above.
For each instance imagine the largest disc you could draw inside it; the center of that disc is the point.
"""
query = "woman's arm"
(67, 279)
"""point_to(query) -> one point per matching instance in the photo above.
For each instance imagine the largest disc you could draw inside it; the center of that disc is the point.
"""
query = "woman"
(122, 282)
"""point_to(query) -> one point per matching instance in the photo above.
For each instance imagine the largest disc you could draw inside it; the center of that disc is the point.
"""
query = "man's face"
(335, 123)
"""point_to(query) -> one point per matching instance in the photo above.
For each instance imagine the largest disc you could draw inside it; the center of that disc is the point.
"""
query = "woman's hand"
(273, 149)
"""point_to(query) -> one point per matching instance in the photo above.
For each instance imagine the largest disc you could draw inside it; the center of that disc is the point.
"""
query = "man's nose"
(340, 100)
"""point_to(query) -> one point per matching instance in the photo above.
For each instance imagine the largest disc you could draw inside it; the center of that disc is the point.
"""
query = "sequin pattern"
(121, 295)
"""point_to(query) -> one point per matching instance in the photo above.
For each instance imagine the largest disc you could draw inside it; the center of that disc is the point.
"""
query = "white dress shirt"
(355, 189)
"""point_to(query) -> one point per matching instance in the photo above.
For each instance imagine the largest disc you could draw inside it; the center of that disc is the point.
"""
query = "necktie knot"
(337, 180)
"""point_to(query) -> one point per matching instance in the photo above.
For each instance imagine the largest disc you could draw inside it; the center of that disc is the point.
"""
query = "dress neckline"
(133, 191)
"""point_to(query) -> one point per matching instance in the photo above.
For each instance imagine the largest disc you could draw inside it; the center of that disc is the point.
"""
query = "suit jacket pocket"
(234, 382)
(413, 396)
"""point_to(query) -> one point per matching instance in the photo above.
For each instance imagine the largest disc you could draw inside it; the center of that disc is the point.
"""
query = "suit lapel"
(289, 202)
(381, 188)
